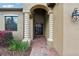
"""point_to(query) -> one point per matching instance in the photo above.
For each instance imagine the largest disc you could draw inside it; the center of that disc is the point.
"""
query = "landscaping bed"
(5, 52)
(13, 47)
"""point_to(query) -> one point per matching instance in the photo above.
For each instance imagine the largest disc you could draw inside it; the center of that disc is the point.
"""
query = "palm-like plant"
(16, 45)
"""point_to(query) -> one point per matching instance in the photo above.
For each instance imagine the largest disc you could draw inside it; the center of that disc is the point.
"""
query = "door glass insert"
(38, 29)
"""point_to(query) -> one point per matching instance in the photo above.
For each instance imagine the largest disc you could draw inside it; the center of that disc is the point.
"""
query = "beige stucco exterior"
(19, 33)
(65, 33)
(71, 31)
(58, 28)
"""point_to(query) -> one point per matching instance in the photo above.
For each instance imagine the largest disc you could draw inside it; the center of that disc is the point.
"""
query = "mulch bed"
(5, 52)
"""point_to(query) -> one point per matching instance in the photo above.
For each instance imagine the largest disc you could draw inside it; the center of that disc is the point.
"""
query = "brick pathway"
(39, 48)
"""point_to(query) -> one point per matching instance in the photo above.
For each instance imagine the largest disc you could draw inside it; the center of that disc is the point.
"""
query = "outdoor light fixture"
(75, 15)
(51, 5)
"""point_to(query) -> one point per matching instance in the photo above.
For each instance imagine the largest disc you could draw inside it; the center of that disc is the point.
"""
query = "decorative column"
(31, 27)
(50, 29)
(26, 27)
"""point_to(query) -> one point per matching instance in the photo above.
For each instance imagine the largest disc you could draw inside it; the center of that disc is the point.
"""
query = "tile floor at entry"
(39, 48)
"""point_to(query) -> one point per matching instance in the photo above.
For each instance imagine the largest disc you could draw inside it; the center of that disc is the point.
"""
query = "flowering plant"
(5, 37)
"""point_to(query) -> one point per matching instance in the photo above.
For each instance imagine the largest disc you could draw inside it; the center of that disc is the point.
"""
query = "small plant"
(16, 45)
(5, 38)
(8, 37)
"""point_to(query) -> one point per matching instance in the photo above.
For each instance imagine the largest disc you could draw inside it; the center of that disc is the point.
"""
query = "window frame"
(11, 17)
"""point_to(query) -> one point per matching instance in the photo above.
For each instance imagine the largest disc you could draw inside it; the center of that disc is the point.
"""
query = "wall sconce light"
(51, 5)
(75, 15)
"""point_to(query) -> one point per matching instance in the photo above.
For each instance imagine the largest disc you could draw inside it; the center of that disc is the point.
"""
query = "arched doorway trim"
(39, 6)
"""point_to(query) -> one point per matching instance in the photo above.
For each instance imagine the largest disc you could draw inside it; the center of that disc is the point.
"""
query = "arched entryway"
(40, 17)
(47, 29)
(41, 30)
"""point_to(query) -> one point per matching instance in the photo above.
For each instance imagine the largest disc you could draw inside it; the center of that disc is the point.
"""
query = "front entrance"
(39, 17)
(38, 29)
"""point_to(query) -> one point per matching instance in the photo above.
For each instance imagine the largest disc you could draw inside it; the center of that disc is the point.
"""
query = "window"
(11, 23)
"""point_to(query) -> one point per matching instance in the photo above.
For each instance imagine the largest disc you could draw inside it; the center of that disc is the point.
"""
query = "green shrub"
(16, 45)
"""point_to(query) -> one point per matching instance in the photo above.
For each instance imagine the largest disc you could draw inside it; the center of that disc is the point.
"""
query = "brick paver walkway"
(39, 48)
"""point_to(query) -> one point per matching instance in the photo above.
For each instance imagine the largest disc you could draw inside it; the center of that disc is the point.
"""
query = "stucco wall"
(29, 6)
(58, 28)
(71, 31)
(19, 33)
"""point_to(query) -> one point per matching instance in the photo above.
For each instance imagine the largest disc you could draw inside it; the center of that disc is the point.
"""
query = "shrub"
(8, 37)
(17, 45)
(5, 37)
